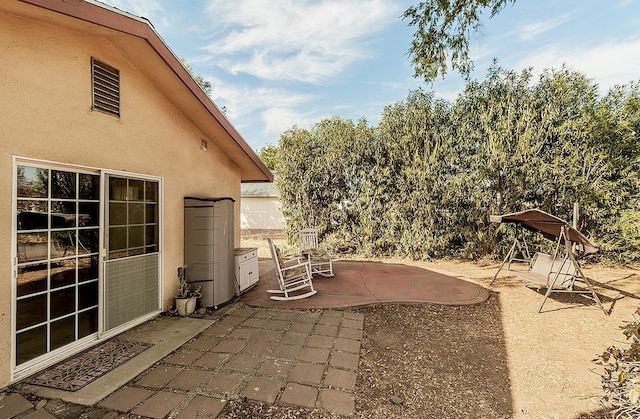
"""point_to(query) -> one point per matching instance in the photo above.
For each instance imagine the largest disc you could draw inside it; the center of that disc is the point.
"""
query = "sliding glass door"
(57, 238)
(87, 258)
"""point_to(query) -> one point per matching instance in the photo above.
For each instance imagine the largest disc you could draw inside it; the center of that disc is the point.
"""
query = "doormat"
(88, 366)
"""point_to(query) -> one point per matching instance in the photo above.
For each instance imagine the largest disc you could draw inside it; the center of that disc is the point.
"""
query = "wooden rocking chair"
(293, 275)
(320, 259)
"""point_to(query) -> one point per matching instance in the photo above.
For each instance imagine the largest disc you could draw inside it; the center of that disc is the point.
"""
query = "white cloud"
(243, 100)
(277, 120)
(624, 3)
(305, 40)
(278, 108)
(530, 31)
(608, 63)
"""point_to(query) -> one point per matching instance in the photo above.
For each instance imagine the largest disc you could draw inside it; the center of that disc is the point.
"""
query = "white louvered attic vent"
(105, 82)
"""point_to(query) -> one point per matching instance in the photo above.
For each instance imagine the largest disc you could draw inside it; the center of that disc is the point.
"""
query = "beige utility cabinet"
(208, 248)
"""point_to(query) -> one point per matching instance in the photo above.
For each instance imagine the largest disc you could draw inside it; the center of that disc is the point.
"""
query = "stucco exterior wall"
(45, 113)
(261, 213)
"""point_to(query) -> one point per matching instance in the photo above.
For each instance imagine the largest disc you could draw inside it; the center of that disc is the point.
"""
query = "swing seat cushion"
(544, 268)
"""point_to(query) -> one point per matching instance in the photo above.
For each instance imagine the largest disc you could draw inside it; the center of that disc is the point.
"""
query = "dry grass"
(258, 238)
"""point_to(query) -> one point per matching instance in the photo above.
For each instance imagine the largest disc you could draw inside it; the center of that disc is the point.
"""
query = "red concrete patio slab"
(358, 283)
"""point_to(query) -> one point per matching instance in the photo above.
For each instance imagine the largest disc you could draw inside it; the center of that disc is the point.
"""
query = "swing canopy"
(556, 272)
(551, 227)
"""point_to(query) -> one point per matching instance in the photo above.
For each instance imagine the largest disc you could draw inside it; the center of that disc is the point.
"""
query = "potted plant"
(186, 299)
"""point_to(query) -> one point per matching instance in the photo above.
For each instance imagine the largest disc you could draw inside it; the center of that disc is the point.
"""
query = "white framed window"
(133, 217)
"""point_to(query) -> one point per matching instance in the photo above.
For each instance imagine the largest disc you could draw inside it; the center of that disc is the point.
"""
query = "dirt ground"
(496, 359)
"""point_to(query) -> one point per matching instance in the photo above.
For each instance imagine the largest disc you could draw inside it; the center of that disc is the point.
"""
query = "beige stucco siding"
(45, 113)
(261, 213)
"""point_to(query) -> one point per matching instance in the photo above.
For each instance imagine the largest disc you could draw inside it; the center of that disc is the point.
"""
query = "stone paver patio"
(303, 358)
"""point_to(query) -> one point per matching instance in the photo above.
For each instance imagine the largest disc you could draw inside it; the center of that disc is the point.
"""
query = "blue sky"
(274, 64)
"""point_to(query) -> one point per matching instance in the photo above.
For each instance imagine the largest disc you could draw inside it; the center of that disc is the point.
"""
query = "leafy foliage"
(205, 85)
(268, 154)
(423, 182)
(443, 30)
(184, 287)
(621, 373)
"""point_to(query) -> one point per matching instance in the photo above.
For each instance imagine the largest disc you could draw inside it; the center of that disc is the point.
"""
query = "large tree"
(423, 182)
(269, 154)
(443, 30)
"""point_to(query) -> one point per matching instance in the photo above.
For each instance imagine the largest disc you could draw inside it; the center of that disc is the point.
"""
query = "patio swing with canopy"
(557, 272)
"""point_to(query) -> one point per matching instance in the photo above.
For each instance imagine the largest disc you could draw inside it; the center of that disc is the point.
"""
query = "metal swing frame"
(557, 272)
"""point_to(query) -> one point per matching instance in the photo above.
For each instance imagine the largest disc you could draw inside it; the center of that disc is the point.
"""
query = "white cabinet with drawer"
(246, 271)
